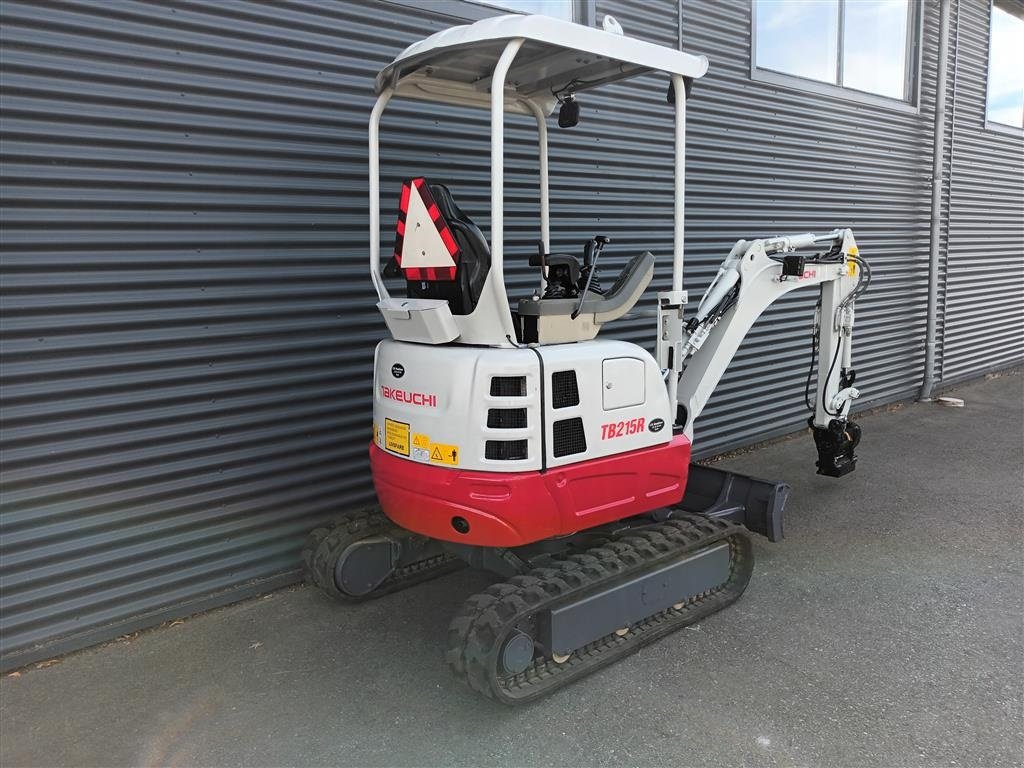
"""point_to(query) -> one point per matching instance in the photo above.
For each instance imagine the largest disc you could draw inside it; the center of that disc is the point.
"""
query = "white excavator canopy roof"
(454, 66)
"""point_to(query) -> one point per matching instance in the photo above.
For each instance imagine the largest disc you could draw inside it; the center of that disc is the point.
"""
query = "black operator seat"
(613, 304)
(472, 266)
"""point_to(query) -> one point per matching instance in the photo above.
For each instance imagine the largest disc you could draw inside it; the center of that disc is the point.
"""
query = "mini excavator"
(510, 437)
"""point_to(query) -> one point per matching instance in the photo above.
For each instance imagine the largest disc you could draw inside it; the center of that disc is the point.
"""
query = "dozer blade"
(757, 504)
(530, 635)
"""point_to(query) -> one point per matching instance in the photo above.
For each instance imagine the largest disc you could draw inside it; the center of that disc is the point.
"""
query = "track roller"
(363, 555)
(525, 637)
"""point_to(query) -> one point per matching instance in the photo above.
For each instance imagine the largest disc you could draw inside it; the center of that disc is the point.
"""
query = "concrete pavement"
(886, 630)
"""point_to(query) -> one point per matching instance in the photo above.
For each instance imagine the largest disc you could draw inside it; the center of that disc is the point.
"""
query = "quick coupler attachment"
(836, 444)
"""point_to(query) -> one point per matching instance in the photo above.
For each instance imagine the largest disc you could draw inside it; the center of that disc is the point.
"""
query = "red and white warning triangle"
(424, 248)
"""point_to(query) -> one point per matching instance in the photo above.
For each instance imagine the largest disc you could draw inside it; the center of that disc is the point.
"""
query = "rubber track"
(326, 543)
(477, 634)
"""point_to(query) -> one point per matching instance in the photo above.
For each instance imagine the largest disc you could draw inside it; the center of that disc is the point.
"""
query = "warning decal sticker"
(396, 436)
(418, 446)
(444, 454)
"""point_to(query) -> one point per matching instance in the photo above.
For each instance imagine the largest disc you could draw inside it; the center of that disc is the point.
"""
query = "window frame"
(991, 125)
(910, 104)
(578, 8)
(583, 11)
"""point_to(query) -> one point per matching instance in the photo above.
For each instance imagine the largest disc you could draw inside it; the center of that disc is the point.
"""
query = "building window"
(866, 46)
(1005, 68)
(560, 9)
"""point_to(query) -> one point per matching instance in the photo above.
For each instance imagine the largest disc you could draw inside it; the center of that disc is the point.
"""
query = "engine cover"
(514, 410)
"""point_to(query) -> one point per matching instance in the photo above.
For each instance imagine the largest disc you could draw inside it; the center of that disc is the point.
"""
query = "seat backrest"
(462, 284)
(551, 320)
(628, 287)
(611, 305)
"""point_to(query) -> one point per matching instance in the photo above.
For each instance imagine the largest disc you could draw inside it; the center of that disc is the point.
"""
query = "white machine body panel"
(624, 382)
(515, 410)
(623, 404)
(429, 401)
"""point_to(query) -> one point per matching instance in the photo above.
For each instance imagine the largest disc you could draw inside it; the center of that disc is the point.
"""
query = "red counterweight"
(501, 509)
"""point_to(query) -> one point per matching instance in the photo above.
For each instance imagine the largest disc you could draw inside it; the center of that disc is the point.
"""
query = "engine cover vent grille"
(505, 450)
(506, 418)
(569, 437)
(564, 391)
(508, 386)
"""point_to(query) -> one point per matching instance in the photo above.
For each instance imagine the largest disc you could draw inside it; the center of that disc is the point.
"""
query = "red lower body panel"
(509, 509)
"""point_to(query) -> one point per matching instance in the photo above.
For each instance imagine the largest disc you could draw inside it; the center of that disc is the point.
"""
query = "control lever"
(591, 253)
(541, 259)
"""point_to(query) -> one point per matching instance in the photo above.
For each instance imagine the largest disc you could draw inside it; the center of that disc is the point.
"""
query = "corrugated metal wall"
(984, 288)
(187, 323)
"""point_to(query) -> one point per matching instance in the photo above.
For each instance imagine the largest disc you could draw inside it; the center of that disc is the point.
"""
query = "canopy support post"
(545, 199)
(671, 305)
(374, 163)
(498, 163)
(680, 183)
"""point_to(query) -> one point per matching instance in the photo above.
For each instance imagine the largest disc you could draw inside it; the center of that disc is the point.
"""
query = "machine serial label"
(420, 447)
(621, 428)
(414, 398)
(396, 436)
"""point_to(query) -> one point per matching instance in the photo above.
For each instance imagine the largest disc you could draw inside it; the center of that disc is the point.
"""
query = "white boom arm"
(754, 275)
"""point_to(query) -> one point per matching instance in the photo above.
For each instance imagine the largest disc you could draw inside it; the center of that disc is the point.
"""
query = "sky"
(1006, 69)
(875, 47)
(800, 37)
